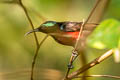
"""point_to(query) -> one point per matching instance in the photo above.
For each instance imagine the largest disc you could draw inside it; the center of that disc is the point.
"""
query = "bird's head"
(47, 27)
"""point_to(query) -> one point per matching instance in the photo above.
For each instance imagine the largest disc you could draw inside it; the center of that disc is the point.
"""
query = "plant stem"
(30, 21)
(35, 56)
(106, 76)
(80, 33)
(91, 64)
(36, 39)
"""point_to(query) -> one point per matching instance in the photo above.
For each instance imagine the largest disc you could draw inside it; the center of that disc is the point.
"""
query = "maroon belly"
(68, 38)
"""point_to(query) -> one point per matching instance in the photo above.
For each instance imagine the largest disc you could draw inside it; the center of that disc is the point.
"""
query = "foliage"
(106, 35)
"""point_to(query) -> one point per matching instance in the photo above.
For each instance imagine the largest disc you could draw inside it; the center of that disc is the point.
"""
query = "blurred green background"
(17, 50)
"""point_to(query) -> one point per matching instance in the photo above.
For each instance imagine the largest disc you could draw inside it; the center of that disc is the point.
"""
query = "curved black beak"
(35, 30)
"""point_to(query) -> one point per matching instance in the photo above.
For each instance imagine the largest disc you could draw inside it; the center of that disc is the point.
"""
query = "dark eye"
(62, 27)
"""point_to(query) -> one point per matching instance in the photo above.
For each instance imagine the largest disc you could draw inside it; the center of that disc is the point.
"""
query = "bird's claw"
(70, 66)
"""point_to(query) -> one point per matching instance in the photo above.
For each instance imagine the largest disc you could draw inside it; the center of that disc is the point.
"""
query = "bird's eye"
(62, 27)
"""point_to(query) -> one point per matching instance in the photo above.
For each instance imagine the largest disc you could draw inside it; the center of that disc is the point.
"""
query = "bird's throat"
(73, 35)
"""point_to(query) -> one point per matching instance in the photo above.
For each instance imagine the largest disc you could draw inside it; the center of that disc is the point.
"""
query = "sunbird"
(66, 33)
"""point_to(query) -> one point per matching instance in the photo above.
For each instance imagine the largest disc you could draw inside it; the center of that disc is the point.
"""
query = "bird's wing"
(75, 26)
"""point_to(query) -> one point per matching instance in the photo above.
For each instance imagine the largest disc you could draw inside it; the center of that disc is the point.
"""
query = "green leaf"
(106, 35)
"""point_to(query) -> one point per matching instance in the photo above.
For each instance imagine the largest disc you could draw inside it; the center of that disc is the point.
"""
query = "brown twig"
(35, 56)
(79, 36)
(30, 21)
(91, 13)
(106, 76)
(36, 39)
(80, 33)
(91, 64)
(74, 52)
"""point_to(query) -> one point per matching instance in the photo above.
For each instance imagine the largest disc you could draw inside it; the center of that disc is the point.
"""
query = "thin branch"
(36, 39)
(35, 56)
(80, 33)
(79, 36)
(91, 64)
(90, 15)
(30, 21)
(74, 52)
(106, 76)
(99, 12)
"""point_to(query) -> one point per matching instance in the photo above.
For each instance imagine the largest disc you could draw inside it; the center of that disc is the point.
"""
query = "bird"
(66, 33)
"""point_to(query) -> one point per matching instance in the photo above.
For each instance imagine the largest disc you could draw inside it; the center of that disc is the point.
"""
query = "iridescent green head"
(49, 23)
(46, 27)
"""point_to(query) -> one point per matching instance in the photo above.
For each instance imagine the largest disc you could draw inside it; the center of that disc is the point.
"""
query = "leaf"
(106, 35)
